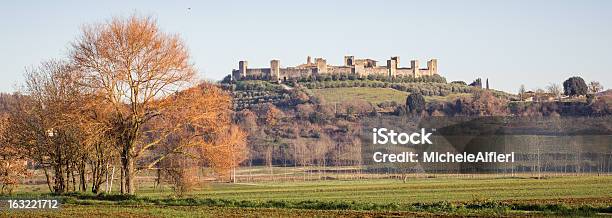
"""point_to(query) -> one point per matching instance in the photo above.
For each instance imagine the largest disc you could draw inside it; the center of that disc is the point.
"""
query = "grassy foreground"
(198, 211)
(570, 195)
(421, 190)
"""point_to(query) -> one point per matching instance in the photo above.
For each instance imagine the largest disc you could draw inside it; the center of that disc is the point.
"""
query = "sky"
(534, 43)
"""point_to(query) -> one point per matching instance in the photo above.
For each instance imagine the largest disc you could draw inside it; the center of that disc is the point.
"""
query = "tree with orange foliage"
(121, 94)
(196, 125)
(130, 63)
(269, 114)
(226, 153)
(12, 161)
(96, 122)
(482, 103)
(42, 126)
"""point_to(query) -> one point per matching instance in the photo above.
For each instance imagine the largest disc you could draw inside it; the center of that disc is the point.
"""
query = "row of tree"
(125, 96)
(572, 87)
(373, 77)
(428, 89)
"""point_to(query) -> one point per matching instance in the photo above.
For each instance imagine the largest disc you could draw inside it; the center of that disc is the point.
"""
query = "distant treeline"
(427, 89)
(373, 77)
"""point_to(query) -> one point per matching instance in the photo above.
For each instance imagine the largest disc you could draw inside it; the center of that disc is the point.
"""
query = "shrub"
(575, 86)
(415, 102)
(181, 173)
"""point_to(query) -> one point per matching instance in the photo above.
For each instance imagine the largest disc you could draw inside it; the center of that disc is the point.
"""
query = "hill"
(374, 95)
(606, 96)
(249, 93)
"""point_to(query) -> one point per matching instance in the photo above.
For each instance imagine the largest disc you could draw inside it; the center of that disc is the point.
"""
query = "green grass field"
(195, 211)
(573, 191)
(414, 190)
(372, 95)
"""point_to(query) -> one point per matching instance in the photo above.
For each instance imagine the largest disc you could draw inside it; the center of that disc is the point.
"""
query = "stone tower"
(392, 67)
(397, 63)
(414, 65)
(321, 65)
(275, 70)
(242, 69)
(358, 69)
(349, 61)
(432, 65)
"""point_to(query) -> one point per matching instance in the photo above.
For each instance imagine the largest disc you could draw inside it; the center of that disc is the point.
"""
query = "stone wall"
(360, 67)
(258, 72)
(339, 70)
(374, 71)
(295, 73)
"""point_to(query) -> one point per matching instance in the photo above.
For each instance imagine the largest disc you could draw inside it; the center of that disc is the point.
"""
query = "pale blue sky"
(510, 42)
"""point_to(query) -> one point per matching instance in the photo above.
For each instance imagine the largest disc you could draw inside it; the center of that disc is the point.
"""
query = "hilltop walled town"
(359, 67)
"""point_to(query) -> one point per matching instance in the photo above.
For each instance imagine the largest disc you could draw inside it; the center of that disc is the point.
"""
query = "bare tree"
(43, 124)
(196, 125)
(555, 90)
(12, 160)
(181, 173)
(129, 63)
(595, 87)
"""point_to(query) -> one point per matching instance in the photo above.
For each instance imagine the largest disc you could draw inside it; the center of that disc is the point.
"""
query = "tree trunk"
(99, 171)
(48, 179)
(112, 177)
(60, 185)
(127, 155)
(128, 170)
(106, 179)
(83, 178)
(122, 179)
(73, 180)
